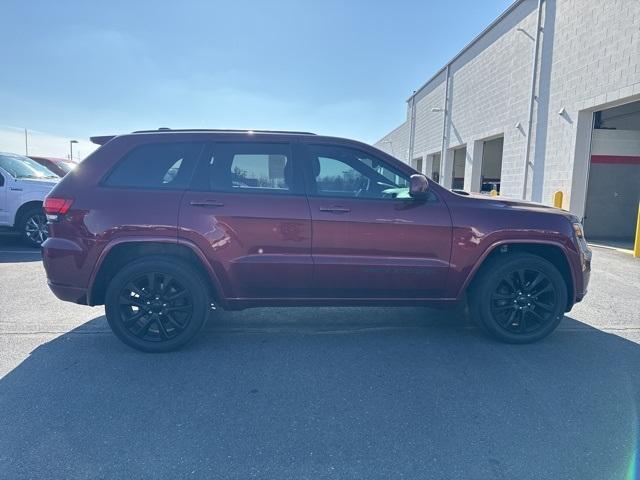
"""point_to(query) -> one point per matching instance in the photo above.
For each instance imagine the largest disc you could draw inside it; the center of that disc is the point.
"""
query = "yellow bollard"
(557, 199)
(493, 193)
(636, 245)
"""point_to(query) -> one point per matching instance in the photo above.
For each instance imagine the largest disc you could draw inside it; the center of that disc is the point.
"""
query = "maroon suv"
(159, 226)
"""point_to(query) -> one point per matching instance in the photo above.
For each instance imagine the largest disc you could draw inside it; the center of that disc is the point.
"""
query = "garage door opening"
(434, 174)
(459, 162)
(491, 170)
(613, 189)
(416, 163)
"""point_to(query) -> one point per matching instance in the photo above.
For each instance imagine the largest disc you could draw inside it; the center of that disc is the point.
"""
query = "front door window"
(349, 173)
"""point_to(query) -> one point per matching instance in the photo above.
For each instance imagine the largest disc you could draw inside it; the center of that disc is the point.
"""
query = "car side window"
(346, 172)
(265, 168)
(1, 180)
(337, 177)
(160, 165)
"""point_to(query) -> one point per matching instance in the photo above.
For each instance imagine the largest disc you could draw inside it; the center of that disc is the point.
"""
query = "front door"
(3, 199)
(370, 238)
(248, 213)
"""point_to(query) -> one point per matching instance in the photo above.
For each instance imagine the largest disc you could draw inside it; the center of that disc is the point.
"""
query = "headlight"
(585, 252)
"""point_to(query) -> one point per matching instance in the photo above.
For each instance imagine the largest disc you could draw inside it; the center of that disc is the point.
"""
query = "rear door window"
(158, 166)
(266, 168)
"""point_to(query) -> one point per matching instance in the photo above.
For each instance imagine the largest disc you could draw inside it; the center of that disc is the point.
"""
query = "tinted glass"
(337, 177)
(160, 165)
(258, 171)
(250, 168)
(348, 172)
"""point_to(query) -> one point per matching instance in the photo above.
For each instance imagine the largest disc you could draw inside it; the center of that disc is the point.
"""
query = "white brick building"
(587, 63)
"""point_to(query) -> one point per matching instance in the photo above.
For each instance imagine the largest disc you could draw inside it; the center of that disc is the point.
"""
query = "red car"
(59, 166)
(161, 225)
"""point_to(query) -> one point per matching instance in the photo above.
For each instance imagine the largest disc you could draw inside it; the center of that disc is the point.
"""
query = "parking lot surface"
(361, 393)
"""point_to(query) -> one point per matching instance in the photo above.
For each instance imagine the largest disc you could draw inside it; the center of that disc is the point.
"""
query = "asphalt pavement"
(315, 393)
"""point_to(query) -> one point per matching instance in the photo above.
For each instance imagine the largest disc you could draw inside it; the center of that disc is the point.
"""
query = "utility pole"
(26, 143)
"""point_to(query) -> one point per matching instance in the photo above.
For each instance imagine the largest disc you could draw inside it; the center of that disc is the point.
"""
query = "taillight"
(56, 206)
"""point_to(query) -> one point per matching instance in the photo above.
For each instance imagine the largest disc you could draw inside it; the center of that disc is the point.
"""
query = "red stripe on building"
(615, 159)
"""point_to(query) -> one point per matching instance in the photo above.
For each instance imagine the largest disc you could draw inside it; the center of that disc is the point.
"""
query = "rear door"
(370, 239)
(247, 211)
(141, 194)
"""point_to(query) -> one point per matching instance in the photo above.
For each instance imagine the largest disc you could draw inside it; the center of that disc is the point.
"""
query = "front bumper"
(585, 266)
(68, 293)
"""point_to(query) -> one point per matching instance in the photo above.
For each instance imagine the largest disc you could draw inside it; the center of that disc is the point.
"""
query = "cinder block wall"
(589, 59)
(396, 142)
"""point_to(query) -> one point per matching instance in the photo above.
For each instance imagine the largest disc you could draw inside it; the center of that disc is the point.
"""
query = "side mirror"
(418, 186)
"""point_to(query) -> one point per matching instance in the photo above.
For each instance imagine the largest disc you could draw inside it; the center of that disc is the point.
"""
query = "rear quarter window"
(156, 166)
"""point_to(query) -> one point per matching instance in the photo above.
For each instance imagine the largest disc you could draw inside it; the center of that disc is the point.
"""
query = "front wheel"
(157, 305)
(519, 298)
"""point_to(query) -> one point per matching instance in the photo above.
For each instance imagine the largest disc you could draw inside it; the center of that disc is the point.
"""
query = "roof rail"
(231, 130)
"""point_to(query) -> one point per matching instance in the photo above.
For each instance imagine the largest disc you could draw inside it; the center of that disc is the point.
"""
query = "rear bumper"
(66, 267)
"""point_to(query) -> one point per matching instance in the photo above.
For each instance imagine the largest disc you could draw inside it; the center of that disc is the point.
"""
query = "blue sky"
(80, 68)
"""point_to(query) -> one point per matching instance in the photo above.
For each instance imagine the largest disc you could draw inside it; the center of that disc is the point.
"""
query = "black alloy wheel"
(524, 301)
(157, 304)
(155, 307)
(518, 297)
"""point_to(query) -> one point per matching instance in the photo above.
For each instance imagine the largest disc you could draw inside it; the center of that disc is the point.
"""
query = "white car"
(23, 185)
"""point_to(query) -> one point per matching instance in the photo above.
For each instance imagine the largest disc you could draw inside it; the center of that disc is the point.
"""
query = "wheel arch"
(24, 208)
(551, 251)
(119, 253)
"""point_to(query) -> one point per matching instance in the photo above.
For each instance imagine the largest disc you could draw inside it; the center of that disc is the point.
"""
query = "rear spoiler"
(101, 140)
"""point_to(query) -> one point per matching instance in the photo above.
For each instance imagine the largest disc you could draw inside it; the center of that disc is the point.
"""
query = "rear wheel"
(33, 226)
(519, 298)
(157, 305)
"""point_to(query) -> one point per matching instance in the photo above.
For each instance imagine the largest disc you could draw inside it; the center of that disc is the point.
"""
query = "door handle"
(206, 203)
(335, 209)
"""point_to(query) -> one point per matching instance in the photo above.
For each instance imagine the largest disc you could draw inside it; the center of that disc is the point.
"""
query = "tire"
(518, 298)
(175, 294)
(32, 226)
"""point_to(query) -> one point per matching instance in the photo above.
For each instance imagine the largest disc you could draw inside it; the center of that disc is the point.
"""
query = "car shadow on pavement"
(12, 250)
(325, 393)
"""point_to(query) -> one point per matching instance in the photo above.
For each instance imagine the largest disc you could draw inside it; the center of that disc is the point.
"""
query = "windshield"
(23, 167)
